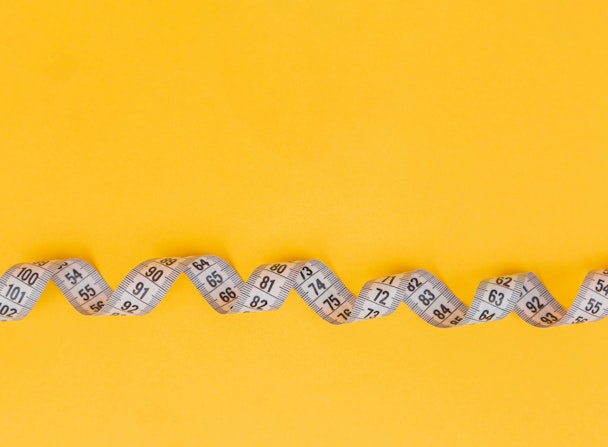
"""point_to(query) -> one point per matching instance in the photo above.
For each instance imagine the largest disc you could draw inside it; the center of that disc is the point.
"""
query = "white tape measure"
(268, 286)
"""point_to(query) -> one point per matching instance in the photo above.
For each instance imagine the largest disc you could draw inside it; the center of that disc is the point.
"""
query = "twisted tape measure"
(268, 286)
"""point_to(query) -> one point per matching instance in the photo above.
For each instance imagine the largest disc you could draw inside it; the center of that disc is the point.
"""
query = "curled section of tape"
(268, 286)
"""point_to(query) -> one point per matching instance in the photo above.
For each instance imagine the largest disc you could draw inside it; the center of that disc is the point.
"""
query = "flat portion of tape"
(268, 286)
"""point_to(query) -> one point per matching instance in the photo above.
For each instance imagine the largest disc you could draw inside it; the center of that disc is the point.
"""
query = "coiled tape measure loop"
(268, 286)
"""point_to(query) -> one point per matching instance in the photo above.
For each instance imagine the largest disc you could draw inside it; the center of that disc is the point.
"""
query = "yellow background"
(465, 138)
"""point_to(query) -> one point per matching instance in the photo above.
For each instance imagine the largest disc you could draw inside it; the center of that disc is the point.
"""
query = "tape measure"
(268, 286)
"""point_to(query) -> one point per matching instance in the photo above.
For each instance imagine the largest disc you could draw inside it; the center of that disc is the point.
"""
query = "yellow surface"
(464, 138)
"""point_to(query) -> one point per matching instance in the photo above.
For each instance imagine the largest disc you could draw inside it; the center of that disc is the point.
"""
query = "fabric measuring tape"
(268, 286)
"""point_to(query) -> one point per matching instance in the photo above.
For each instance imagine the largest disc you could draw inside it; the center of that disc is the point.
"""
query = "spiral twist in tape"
(268, 286)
